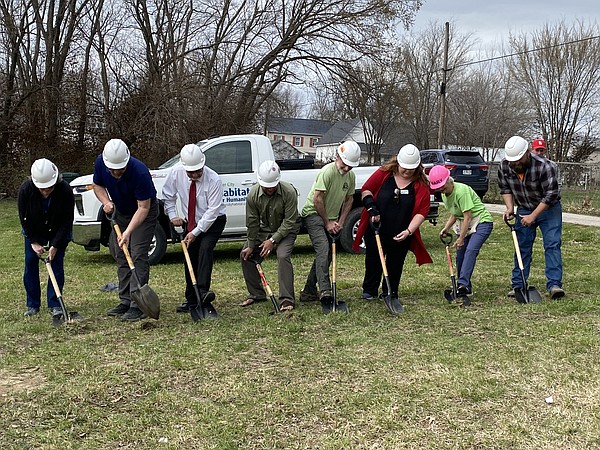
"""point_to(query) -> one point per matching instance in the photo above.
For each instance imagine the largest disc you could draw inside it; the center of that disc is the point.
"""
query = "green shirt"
(275, 216)
(464, 198)
(336, 187)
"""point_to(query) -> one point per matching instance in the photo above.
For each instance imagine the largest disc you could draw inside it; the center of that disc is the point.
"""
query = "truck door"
(232, 160)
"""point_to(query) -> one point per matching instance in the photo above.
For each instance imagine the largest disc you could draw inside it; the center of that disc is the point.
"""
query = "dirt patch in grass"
(14, 383)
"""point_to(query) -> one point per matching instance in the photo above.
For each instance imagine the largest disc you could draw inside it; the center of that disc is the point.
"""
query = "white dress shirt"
(209, 196)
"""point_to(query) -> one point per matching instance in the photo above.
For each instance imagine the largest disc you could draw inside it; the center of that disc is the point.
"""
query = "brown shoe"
(556, 292)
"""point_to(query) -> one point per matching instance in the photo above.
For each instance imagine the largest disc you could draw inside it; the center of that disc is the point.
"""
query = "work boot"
(118, 310)
(57, 311)
(326, 302)
(308, 296)
(183, 308)
(556, 292)
(31, 311)
(511, 293)
(133, 315)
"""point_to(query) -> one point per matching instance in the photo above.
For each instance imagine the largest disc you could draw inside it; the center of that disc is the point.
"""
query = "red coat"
(422, 204)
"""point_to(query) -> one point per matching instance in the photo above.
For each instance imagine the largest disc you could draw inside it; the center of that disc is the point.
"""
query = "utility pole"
(442, 121)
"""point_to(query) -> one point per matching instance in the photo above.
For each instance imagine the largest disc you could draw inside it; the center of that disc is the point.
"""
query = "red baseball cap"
(538, 143)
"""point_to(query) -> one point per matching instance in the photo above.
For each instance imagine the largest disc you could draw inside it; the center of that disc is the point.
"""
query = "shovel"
(196, 311)
(337, 305)
(66, 316)
(265, 284)
(393, 304)
(451, 295)
(144, 296)
(526, 294)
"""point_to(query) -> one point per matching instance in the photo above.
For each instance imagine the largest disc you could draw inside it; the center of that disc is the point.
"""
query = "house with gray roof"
(304, 134)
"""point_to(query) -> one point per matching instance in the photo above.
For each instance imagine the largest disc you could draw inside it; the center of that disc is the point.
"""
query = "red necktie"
(192, 207)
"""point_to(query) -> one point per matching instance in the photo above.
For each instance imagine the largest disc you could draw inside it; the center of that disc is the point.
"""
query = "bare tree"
(558, 69)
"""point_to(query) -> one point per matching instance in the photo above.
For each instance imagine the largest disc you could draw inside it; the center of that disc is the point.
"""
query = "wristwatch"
(272, 240)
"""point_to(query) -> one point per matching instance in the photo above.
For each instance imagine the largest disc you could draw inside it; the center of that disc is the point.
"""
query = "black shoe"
(208, 297)
(326, 304)
(463, 291)
(183, 308)
(118, 310)
(133, 315)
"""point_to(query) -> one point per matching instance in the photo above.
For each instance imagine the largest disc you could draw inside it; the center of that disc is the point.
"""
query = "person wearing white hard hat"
(124, 186)
(273, 223)
(324, 214)
(530, 183)
(46, 207)
(200, 192)
(469, 219)
(397, 198)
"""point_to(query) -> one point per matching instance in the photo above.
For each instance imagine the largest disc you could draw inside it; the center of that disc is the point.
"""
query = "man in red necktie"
(200, 191)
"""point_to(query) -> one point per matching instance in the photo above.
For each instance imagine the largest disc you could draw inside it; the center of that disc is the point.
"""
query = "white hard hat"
(515, 148)
(349, 152)
(44, 173)
(268, 174)
(115, 154)
(192, 157)
(409, 157)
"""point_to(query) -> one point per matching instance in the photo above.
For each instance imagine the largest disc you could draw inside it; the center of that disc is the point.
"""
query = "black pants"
(201, 255)
(395, 254)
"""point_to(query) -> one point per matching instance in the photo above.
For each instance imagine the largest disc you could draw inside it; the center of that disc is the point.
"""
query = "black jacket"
(53, 226)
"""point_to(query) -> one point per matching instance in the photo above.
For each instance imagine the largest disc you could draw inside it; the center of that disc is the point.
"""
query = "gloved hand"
(371, 206)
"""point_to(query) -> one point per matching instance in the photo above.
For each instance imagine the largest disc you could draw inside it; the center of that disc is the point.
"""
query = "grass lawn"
(437, 377)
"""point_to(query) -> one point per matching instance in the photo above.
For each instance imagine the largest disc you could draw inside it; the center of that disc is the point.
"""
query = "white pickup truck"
(236, 159)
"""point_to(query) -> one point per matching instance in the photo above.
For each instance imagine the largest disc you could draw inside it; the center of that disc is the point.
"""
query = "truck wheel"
(349, 231)
(158, 246)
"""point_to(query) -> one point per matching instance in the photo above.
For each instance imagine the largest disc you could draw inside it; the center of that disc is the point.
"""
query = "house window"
(298, 141)
(314, 142)
(278, 137)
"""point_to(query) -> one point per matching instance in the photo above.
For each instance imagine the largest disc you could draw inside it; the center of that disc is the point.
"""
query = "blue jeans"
(31, 277)
(550, 224)
(467, 255)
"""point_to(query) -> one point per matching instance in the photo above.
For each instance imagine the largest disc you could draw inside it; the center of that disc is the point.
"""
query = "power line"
(495, 58)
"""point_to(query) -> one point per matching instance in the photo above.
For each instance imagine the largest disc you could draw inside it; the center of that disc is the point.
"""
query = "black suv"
(466, 166)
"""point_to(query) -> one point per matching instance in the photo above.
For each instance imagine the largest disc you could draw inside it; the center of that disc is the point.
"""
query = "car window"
(463, 157)
(170, 163)
(230, 157)
(428, 158)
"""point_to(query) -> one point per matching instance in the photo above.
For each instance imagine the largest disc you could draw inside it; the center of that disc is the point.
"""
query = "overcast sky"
(492, 21)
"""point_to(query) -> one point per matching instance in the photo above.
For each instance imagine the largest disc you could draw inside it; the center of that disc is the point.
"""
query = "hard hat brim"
(46, 184)
(516, 157)
(268, 184)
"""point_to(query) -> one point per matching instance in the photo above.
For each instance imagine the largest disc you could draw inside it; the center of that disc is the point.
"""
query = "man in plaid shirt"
(530, 182)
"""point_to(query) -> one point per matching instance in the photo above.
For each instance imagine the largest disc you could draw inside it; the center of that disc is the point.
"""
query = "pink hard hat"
(438, 175)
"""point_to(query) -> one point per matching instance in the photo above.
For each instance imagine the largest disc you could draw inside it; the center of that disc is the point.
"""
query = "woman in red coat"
(397, 196)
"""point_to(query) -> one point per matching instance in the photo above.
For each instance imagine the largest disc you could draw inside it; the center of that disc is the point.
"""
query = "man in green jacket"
(273, 224)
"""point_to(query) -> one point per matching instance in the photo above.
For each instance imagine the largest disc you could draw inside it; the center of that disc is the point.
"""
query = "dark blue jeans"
(31, 277)
(467, 255)
(550, 224)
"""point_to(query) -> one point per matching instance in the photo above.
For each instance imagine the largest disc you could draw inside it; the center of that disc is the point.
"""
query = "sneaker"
(367, 296)
(133, 315)
(31, 311)
(183, 308)
(463, 291)
(511, 293)
(57, 311)
(308, 296)
(556, 292)
(118, 310)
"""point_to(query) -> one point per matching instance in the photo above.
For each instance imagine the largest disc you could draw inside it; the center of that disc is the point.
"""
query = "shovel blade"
(393, 305)
(521, 295)
(534, 295)
(448, 295)
(147, 301)
(341, 307)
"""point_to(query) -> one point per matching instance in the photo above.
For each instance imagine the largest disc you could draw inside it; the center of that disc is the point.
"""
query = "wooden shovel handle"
(124, 247)
(52, 277)
(188, 261)
(381, 255)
